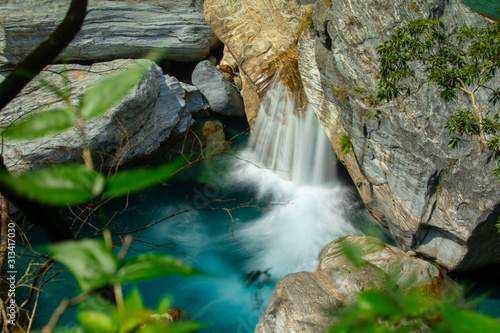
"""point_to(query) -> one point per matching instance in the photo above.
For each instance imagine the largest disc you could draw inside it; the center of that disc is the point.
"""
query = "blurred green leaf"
(164, 304)
(165, 327)
(378, 302)
(133, 303)
(96, 302)
(185, 326)
(96, 322)
(103, 95)
(90, 261)
(134, 310)
(153, 265)
(61, 185)
(67, 329)
(461, 321)
(416, 302)
(41, 124)
(353, 252)
(130, 181)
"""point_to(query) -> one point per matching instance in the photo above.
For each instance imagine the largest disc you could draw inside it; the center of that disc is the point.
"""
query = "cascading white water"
(295, 171)
(290, 142)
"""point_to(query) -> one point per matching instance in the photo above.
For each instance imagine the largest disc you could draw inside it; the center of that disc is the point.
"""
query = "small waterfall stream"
(293, 167)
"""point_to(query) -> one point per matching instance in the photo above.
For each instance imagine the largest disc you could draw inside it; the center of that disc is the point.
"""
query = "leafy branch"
(468, 64)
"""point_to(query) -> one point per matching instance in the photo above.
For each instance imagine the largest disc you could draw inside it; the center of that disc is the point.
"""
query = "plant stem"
(120, 305)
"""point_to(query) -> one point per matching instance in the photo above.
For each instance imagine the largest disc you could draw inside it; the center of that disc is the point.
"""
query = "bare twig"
(65, 303)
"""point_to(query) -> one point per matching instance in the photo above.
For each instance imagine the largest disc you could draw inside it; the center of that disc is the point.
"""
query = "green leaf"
(105, 94)
(133, 303)
(61, 185)
(163, 327)
(67, 329)
(468, 322)
(152, 265)
(165, 304)
(90, 261)
(41, 124)
(96, 322)
(130, 181)
(185, 326)
(134, 310)
(378, 302)
(353, 252)
(417, 302)
(99, 302)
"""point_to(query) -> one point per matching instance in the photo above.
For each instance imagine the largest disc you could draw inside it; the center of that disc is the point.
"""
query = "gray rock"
(438, 202)
(110, 31)
(306, 301)
(220, 93)
(133, 129)
(255, 33)
(195, 101)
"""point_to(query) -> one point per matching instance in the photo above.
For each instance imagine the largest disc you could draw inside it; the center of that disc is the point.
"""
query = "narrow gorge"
(298, 188)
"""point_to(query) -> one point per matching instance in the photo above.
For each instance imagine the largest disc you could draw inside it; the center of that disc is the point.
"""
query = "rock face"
(111, 30)
(220, 93)
(306, 301)
(254, 33)
(438, 202)
(150, 114)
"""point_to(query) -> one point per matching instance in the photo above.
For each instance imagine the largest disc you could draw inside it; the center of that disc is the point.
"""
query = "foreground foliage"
(92, 262)
(407, 308)
(94, 265)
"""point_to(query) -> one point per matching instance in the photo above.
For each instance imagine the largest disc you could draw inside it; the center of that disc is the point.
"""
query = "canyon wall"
(441, 203)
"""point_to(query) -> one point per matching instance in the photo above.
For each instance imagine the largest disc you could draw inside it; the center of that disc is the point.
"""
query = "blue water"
(281, 231)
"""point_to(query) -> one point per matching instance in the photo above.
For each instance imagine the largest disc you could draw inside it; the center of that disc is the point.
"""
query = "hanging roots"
(287, 67)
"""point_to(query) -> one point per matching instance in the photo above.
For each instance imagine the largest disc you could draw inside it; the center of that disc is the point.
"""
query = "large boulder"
(151, 113)
(111, 30)
(220, 93)
(306, 301)
(441, 203)
(254, 33)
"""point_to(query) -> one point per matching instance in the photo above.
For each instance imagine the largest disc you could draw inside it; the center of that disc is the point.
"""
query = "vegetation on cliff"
(469, 66)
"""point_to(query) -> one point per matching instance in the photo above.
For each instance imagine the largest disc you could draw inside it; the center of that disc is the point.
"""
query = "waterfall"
(292, 143)
(292, 166)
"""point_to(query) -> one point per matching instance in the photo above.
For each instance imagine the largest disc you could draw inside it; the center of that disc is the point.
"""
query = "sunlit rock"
(306, 301)
(254, 32)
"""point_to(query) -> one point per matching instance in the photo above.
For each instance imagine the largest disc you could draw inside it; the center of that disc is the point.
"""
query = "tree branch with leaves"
(468, 63)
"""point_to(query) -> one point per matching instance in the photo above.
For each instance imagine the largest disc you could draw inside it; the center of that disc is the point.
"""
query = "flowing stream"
(285, 177)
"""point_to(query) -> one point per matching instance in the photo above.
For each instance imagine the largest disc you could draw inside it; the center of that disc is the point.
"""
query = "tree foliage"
(407, 306)
(467, 64)
(94, 265)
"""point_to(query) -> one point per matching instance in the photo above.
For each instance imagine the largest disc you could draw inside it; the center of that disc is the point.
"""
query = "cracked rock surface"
(111, 30)
(151, 113)
(441, 203)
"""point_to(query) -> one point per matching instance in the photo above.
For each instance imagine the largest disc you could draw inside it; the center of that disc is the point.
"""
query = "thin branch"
(65, 303)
